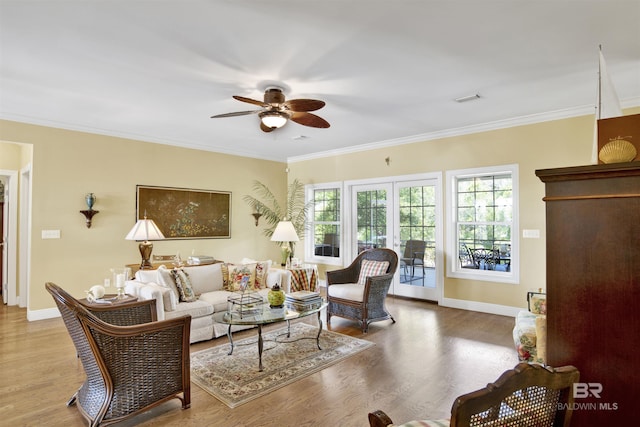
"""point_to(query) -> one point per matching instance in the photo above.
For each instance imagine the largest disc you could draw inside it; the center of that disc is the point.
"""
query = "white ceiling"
(389, 71)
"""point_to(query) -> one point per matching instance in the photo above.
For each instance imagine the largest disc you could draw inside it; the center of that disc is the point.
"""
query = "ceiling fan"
(276, 111)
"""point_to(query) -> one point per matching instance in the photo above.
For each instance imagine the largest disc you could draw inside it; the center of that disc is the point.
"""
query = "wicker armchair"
(129, 369)
(528, 395)
(363, 302)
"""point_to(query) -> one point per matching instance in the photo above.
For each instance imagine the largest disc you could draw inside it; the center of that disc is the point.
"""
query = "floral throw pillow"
(539, 304)
(183, 284)
(370, 268)
(262, 270)
(240, 276)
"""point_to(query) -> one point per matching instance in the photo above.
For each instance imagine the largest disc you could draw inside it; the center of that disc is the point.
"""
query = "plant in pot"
(295, 210)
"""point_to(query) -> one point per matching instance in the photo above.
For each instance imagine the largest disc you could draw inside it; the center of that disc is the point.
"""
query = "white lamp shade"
(145, 229)
(285, 232)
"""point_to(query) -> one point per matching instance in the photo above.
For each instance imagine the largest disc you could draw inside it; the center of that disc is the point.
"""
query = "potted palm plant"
(295, 210)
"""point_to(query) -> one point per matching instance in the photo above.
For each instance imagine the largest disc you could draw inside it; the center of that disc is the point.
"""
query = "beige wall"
(550, 144)
(10, 156)
(66, 165)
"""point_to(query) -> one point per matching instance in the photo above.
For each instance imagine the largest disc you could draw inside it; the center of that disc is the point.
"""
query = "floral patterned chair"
(530, 330)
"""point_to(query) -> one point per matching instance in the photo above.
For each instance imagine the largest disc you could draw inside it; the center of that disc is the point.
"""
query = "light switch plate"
(531, 234)
(50, 234)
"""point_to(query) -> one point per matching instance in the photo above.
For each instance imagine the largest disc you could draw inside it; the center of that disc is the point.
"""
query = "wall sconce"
(90, 198)
(257, 216)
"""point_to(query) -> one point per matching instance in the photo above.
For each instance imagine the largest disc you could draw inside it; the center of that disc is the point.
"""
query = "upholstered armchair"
(359, 291)
(129, 369)
(528, 395)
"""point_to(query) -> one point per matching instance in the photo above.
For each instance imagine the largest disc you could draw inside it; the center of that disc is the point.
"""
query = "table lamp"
(145, 229)
(285, 232)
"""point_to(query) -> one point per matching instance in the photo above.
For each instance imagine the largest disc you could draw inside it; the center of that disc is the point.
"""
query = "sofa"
(202, 290)
(530, 330)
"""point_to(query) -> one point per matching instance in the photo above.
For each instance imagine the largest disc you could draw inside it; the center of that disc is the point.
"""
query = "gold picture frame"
(184, 213)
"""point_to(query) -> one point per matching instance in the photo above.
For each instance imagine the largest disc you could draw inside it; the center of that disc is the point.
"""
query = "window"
(482, 222)
(324, 232)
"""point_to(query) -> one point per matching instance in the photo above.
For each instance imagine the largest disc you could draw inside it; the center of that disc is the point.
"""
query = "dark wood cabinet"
(593, 286)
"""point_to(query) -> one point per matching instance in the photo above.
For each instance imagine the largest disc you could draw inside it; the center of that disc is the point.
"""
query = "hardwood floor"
(417, 368)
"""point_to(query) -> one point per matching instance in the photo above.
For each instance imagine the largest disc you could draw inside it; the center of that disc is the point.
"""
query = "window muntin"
(417, 210)
(483, 217)
(324, 232)
(371, 226)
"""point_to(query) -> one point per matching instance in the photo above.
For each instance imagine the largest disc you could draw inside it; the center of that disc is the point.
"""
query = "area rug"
(235, 379)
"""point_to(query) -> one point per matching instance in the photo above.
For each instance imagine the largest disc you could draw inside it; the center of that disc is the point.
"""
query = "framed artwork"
(184, 213)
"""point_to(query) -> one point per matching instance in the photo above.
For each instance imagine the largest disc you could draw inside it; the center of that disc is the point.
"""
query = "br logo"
(584, 390)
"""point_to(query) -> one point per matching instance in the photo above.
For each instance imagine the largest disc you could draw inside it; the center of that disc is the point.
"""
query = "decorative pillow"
(539, 304)
(225, 276)
(370, 268)
(184, 285)
(237, 273)
(262, 270)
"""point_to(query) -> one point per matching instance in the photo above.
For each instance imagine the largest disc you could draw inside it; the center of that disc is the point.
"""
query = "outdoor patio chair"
(129, 369)
(529, 395)
(359, 291)
(413, 255)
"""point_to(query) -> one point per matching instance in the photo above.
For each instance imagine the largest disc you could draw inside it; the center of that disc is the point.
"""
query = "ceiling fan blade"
(304, 104)
(265, 128)
(308, 119)
(251, 101)
(237, 113)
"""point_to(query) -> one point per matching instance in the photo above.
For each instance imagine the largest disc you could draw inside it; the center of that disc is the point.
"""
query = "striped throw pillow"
(370, 268)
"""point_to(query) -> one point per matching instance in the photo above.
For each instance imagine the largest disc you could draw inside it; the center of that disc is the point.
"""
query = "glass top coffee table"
(262, 315)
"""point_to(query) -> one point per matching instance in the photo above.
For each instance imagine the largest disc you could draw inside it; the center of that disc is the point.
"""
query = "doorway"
(403, 214)
(2, 277)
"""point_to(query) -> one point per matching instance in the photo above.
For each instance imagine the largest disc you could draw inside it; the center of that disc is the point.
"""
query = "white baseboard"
(47, 313)
(483, 307)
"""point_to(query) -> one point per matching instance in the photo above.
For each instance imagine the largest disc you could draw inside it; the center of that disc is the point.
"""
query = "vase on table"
(276, 297)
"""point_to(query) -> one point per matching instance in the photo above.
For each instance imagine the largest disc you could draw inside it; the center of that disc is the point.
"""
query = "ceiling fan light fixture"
(273, 119)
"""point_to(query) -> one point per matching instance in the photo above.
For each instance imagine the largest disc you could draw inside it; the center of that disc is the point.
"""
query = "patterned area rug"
(235, 379)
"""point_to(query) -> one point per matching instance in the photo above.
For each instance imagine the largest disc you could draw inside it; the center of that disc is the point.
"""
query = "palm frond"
(296, 209)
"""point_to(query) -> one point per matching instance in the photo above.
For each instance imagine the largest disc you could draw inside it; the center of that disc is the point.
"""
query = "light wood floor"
(417, 368)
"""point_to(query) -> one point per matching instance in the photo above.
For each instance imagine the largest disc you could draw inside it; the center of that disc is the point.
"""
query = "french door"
(404, 215)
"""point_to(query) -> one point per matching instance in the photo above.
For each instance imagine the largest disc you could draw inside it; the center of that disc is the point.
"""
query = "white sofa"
(209, 284)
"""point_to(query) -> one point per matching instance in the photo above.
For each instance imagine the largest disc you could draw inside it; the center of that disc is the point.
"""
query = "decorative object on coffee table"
(276, 297)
